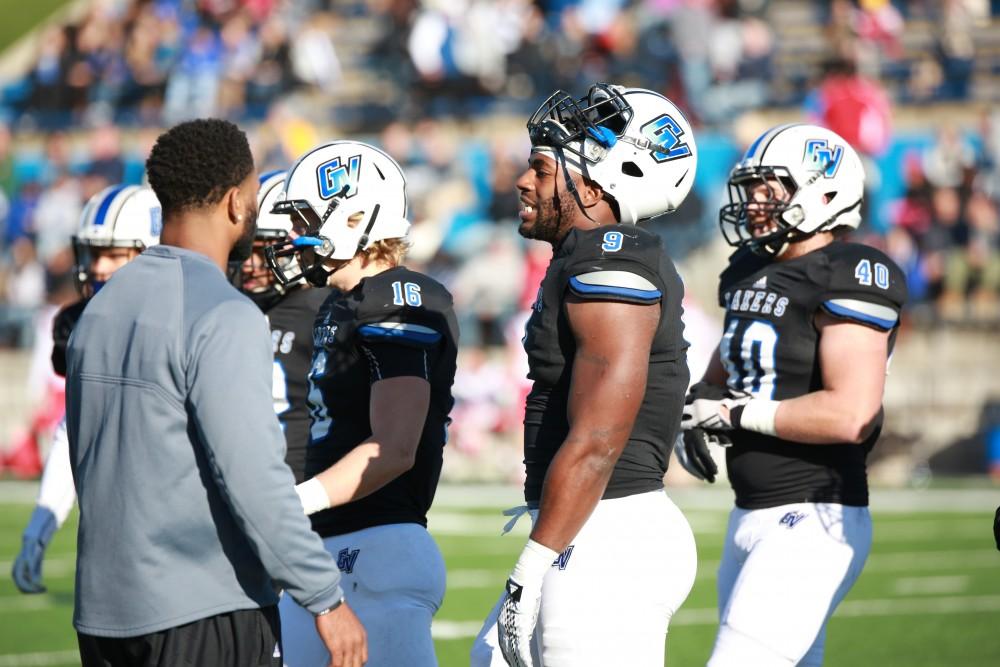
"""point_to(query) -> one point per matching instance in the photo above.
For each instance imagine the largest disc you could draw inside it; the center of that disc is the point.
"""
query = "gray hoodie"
(187, 509)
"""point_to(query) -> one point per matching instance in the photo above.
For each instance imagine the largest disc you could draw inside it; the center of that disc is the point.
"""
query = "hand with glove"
(708, 406)
(716, 408)
(27, 571)
(692, 451)
(521, 601)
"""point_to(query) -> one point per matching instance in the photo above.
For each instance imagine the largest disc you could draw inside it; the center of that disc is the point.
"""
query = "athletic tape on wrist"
(313, 496)
(533, 563)
(756, 415)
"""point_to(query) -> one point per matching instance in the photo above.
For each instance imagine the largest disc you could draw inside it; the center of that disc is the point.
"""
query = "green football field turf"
(21, 17)
(929, 595)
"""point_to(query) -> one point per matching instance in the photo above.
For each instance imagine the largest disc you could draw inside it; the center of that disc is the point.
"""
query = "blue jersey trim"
(388, 333)
(865, 318)
(607, 290)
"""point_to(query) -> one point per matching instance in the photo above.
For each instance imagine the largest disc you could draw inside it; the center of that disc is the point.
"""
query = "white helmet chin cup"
(821, 170)
(346, 194)
(634, 143)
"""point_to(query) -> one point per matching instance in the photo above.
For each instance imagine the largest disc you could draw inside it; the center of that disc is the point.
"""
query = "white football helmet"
(258, 281)
(120, 216)
(270, 226)
(634, 143)
(822, 173)
(341, 198)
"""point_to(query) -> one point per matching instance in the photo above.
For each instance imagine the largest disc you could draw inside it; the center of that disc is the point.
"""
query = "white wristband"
(313, 496)
(758, 415)
(535, 561)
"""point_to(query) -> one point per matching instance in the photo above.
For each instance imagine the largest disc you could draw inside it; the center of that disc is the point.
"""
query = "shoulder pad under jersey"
(863, 285)
(403, 306)
(619, 263)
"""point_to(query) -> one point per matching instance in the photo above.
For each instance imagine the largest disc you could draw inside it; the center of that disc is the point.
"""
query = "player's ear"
(590, 192)
(235, 207)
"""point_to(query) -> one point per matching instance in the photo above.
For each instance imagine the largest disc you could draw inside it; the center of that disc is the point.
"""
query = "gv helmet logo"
(334, 175)
(820, 157)
(665, 132)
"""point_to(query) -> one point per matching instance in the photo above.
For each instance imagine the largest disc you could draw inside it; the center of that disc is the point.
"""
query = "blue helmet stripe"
(268, 174)
(754, 145)
(102, 210)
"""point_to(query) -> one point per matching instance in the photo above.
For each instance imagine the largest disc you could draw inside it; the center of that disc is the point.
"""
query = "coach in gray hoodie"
(189, 520)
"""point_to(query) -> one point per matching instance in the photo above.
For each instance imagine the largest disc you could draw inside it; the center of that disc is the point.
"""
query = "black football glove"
(691, 448)
(996, 528)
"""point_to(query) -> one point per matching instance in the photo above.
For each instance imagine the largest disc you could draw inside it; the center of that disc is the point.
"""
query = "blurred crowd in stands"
(444, 86)
(158, 61)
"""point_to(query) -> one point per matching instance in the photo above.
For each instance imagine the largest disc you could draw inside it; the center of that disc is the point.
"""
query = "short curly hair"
(194, 164)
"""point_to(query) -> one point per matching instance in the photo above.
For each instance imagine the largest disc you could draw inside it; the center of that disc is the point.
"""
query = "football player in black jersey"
(385, 344)
(116, 225)
(290, 310)
(797, 388)
(610, 557)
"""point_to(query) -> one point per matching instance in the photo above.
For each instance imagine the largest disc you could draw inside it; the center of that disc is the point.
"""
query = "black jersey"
(62, 327)
(770, 348)
(623, 263)
(396, 323)
(291, 320)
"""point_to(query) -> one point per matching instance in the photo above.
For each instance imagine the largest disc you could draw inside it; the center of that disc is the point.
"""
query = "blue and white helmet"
(343, 196)
(120, 216)
(271, 227)
(820, 170)
(635, 143)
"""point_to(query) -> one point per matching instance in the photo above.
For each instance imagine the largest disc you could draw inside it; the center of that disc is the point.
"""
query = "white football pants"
(609, 597)
(783, 572)
(393, 578)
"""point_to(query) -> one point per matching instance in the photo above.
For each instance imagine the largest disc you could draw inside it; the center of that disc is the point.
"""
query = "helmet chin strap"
(363, 241)
(571, 185)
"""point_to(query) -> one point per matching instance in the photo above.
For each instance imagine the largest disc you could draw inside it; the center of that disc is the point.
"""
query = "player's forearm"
(575, 482)
(363, 471)
(824, 418)
(715, 373)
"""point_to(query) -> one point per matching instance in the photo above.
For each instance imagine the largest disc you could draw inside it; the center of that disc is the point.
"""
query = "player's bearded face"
(244, 245)
(546, 203)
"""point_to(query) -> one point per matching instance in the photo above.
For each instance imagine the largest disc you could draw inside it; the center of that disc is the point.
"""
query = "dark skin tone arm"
(609, 382)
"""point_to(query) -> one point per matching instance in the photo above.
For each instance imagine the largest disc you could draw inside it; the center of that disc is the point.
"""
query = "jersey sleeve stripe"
(616, 279)
(404, 331)
(635, 294)
(882, 317)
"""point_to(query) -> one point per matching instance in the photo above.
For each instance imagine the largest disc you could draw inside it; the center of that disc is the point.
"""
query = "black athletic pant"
(245, 638)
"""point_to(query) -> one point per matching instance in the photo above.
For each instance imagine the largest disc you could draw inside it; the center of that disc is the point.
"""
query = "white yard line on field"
(930, 585)
(40, 659)
(59, 566)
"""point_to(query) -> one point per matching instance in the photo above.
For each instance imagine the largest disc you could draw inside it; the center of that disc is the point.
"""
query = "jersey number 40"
(747, 351)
